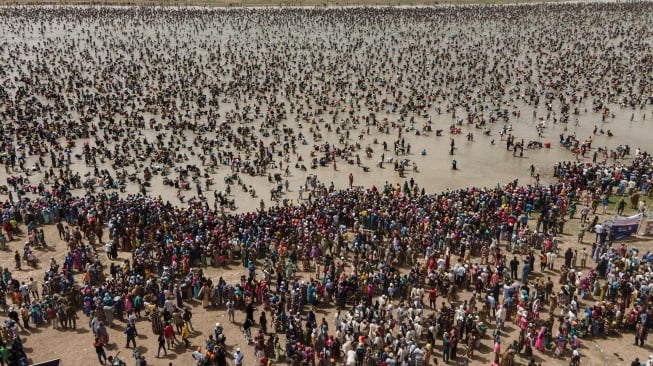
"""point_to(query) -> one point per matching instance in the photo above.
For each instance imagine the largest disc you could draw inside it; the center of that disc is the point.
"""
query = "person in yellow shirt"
(185, 334)
(427, 353)
(24, 314)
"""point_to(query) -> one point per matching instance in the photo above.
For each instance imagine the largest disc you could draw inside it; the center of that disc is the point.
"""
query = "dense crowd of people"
(355, 242)
(415, 277)
(115, 104)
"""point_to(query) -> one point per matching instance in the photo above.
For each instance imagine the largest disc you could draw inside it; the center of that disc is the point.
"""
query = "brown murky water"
(134, 54)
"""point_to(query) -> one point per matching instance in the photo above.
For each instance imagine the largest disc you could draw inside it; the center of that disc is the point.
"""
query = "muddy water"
(347, 64)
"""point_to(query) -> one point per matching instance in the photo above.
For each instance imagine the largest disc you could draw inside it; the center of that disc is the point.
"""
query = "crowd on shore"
(355, 242)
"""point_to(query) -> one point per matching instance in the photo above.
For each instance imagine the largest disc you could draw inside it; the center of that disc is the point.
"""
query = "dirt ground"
(74, 347)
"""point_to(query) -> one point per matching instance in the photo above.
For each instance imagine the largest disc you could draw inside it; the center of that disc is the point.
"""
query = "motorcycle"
(575, 361)
(117, 361)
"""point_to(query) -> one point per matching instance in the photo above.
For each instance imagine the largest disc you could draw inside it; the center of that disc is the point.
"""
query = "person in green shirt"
(4, 355)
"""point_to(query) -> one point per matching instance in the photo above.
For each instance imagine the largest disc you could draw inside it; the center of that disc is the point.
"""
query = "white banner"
(621, 227)
(623, 220)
